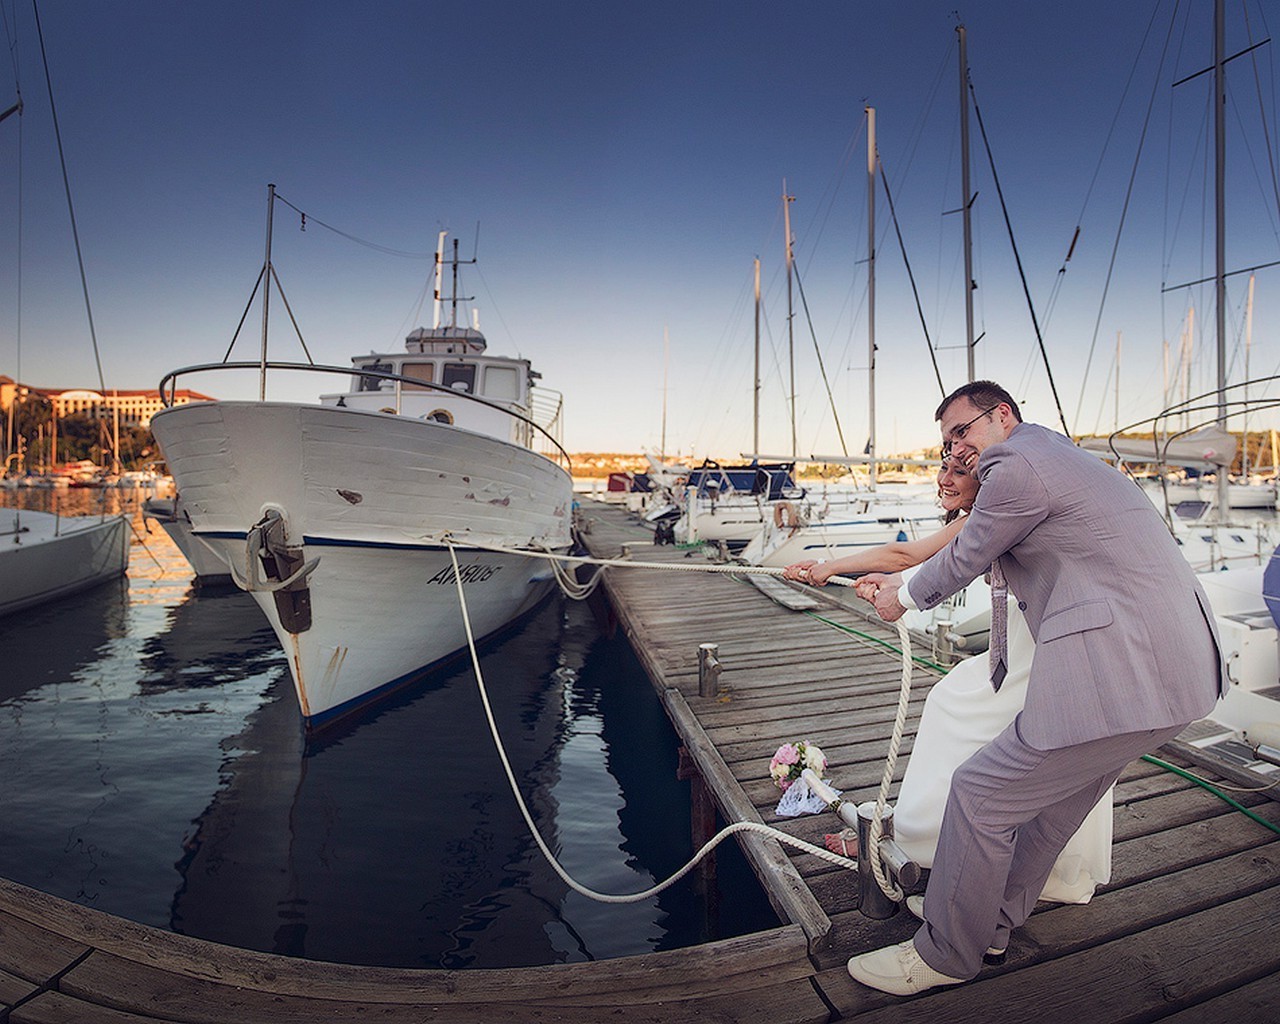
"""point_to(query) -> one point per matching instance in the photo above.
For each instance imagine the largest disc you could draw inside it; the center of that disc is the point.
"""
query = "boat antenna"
(66, 184)
(439, 293)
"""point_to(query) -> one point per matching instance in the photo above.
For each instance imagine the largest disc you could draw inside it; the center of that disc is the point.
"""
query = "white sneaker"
(915, 904)
(898, 970)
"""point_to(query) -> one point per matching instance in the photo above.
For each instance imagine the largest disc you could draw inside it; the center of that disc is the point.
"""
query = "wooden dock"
(1183, 933)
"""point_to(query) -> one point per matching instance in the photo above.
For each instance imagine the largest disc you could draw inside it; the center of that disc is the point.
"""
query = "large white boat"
(45, 556)
(339, 517)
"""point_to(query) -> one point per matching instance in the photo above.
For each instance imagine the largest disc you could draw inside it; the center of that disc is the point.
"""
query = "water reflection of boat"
(83, 625)
(45, 556)
(211, 637)
(274, 864)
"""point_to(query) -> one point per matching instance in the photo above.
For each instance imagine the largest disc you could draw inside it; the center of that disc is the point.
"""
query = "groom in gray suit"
(1126, 657)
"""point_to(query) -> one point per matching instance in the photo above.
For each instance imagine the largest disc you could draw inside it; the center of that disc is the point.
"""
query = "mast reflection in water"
(152, 765)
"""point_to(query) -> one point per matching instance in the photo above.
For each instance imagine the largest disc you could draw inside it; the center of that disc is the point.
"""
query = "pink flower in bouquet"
(792, 759)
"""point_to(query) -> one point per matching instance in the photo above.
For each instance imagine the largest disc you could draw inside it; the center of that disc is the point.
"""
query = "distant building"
(136, 407)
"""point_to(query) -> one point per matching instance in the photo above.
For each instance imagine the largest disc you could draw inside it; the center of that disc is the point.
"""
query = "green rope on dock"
(876, 640)
(1151, 759)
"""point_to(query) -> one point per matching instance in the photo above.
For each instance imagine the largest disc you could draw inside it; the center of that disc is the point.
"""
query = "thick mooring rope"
(740, 826)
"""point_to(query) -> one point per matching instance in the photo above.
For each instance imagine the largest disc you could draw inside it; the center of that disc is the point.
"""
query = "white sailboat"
(339, 517)
(45, 556)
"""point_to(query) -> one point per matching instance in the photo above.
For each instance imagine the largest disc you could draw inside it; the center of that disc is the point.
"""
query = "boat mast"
(266, 296)
(755, 412)
(787, 200)
(666, 360)
(871, 293)
(115, 432)
(1220, 255)
(966, 199)
(1248, 344)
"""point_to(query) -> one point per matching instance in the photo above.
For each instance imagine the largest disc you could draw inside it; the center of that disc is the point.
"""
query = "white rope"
(627, 563)
(895, 741)
(887, 887)
(719, 837)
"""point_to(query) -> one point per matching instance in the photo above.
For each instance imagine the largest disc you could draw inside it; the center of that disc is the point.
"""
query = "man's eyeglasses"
(959, 433)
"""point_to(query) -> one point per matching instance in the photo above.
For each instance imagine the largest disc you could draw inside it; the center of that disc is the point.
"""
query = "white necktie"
(998, 649)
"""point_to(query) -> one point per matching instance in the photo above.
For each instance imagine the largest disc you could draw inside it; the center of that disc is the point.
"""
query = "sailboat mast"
(787, 200)
(666, 360)
(755, 411)
(1248, 344)
(871, 292)
(1220, 246)
(266, 295)
(966, 200)
(1119, 339)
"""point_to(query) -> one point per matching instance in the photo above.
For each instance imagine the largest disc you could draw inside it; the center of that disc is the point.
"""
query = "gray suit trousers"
(1010, 812)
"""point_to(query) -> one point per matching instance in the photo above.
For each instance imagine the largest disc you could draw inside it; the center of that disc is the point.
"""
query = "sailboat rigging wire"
(66, 184)
(353, 238)
(915, 292)
(1097, 171)
(292, 319)
(982, 128)
(1271, 161)
(245, 315)
(822, 369)
(1124, 212)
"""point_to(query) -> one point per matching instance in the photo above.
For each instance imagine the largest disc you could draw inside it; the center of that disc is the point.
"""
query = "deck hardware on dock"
(709, 667)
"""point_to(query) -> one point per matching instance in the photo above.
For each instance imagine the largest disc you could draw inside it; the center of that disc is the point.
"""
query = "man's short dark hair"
(984, 394)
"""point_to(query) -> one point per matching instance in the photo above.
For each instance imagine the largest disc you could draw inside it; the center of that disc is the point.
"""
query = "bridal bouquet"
(792, 759)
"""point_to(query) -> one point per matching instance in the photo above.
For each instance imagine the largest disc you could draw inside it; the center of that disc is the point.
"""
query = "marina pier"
(1183, 931)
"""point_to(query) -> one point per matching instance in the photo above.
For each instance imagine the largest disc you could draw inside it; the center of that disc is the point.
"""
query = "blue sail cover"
(772, 480)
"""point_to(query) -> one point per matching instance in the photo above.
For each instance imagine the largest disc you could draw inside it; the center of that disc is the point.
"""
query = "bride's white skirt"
(961, 714)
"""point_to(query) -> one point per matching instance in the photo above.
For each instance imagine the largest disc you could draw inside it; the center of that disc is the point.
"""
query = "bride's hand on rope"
(812, 572)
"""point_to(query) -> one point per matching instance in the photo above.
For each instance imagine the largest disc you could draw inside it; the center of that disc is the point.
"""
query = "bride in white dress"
(962, 713)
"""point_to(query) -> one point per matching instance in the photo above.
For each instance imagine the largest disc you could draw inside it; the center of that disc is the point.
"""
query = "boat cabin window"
(439, 416)
(419, 371)
(375, 383)
(502, 383)
(460, 377)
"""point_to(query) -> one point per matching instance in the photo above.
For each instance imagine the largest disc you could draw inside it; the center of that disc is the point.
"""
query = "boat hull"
(208, 566)
(371, 502)
(50, 556)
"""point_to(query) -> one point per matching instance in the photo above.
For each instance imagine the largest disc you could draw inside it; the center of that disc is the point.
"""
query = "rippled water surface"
(152, 765)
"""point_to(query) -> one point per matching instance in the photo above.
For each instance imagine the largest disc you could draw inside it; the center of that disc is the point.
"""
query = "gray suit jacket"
(1125, 640)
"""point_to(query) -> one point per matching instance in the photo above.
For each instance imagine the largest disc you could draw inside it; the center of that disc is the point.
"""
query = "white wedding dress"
(961, 714)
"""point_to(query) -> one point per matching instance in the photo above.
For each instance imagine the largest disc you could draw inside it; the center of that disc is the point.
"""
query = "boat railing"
(169, 388)
(1197, 412)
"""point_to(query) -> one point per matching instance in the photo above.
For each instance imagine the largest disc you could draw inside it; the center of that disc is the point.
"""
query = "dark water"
(152, 766)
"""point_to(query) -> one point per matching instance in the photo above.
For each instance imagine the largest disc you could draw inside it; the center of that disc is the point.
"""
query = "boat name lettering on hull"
(467, 573)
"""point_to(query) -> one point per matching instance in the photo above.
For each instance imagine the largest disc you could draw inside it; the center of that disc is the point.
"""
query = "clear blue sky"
(623, 165)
